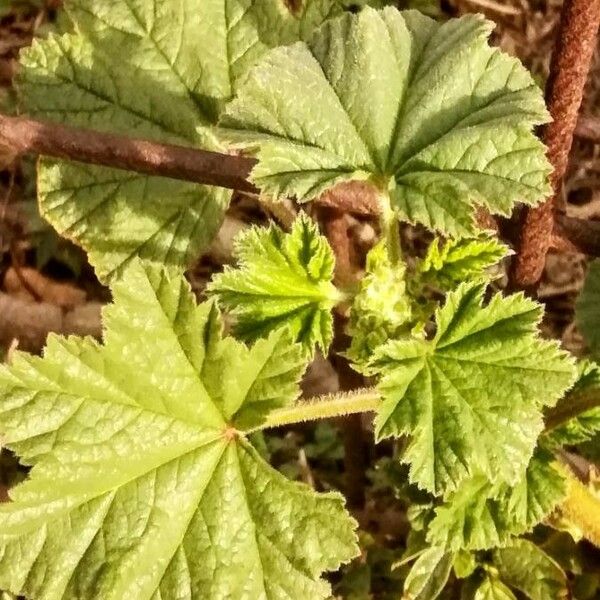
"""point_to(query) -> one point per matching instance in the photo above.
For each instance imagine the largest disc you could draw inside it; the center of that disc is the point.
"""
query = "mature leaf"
(587, 309)
(143, 484)
(428, 575)
(282, 279)
(382, 307)
(526, 567)
(152, 70)
(586, 425)
(427, 110)
(471, 397)
(465, 259)
(481, 515)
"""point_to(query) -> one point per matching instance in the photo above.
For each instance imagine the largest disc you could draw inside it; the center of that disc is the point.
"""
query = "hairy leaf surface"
(282, 279)
(482, 515)
(143, 484)
(428, 575)
(157, 70)
(527, 568)
(427, 110)
(382, 307)
(471, 397)
(454, 261)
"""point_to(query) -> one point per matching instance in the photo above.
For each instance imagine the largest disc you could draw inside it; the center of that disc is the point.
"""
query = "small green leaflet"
(471, 397)
(585, 425)
(449, 263)
(282, 279)
(143, 484)
(482, 515)
(155, 70)
(428, 111)
(491, 588)
(428, 575)
(588, 308)
(382, 307)
(527, 568)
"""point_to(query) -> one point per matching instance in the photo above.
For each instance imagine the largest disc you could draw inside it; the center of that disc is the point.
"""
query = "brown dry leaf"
(30, 284)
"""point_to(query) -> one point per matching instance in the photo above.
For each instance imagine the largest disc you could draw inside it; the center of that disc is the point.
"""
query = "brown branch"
(571, 60)
(120, 152)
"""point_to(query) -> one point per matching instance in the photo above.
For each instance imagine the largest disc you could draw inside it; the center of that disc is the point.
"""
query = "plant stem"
(571, 60)
(570, 407)
(390, 229)
(324, 407)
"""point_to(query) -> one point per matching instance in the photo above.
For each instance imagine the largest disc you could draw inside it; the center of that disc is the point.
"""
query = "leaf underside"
(152, 70)
(428, 108)
(143, 484)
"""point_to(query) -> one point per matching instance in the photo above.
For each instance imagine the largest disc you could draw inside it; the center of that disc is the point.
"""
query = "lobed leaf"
(428, 111)
(281, 280)
(160, 71)
(470, 399)
(482, 515)
(454, 261)
(143, 484)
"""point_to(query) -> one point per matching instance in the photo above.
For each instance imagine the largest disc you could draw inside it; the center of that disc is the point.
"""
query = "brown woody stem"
(571, 60)
(120, 152)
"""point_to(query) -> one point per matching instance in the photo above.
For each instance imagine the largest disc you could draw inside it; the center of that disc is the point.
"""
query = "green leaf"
(492, 589)
(382, 309)
(282, 279)
(526, 567)
(471, 397)
(428, 575)
(586, 425)
(455, 261)
(428, 111)
(153, 70)
(481, 515)
(587, 309)
(143, 484)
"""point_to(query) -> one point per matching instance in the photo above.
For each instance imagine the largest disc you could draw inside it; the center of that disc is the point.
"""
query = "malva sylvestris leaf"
(155, 70)
(282, 279)
(481, 515)
(428, 111)
(471, 398)
(143, 484)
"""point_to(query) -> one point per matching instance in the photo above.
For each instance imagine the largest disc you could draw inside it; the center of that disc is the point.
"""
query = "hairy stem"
(571, 60)
(391, 230)
(324, 407)
(572, 406)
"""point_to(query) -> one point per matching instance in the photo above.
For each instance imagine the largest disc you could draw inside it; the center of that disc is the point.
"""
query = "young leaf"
(527, 568)
(481, 515)
(427, 110)
(282, 279)
(151, 70)
(587, 309)
(460, 260)
(428, 575)
(491, 588)
(586, 425)
(381, 309)
(471, 397)
(143, 484)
